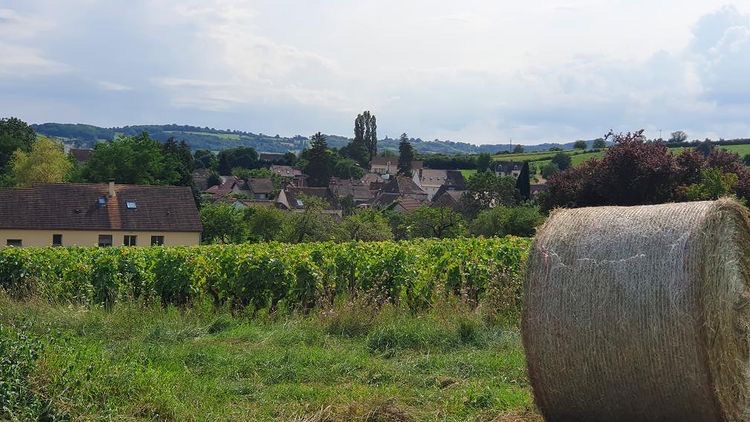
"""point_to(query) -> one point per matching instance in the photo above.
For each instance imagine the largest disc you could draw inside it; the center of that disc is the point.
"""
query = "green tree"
(367, 225)
(599, 143)
(319, 166)
(486, 190)
(365, 142)
(356, 150)
(290, 158)
(523, 182)
(265, 223)
(371, 134)
(346, 168)
(178, 163)
(580, 144)
(205, 159)
(15, 134)
(134, 160)
(483, 162)
(45, 163)
(223, 223)
(501, 221)
(562, 161)
(311, 225)
(244, 157)
(518, 149)
(677, 137)
(440, 222)
(549, 170)
(713, 185)
(405, 155)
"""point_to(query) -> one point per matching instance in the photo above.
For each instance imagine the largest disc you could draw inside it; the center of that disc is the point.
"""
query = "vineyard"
(267, 276)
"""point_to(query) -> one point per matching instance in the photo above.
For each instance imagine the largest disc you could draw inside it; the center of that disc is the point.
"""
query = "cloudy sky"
(479, 71)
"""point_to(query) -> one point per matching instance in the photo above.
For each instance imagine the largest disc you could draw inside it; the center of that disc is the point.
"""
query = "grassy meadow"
(348, 362)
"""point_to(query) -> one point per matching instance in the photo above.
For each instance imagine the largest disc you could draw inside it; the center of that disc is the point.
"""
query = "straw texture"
(640, 313)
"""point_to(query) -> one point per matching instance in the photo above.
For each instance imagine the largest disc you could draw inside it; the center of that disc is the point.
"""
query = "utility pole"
(660, 138)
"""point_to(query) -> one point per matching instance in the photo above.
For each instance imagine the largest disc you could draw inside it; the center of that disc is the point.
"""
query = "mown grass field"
(350, 362)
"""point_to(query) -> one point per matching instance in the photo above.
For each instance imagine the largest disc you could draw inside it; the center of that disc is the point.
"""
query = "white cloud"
(113, 86)
(478, 70)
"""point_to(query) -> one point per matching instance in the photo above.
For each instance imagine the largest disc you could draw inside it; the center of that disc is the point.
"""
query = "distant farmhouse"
(73, 214)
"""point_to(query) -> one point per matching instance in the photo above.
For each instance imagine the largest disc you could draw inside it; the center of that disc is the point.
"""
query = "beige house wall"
(91, 237)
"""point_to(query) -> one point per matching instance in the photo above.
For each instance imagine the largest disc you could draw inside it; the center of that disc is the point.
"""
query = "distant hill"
(86, 136)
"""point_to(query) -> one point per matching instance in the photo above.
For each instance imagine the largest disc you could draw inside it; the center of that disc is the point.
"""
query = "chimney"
(111, 188)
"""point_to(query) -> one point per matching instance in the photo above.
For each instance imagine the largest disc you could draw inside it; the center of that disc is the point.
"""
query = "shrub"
(501, 221)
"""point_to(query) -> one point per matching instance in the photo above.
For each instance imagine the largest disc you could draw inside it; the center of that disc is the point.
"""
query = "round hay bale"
(640, 313)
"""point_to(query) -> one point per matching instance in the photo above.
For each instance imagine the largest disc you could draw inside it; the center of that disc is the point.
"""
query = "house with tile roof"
(82, 214)
(292, 198)
(431, 180)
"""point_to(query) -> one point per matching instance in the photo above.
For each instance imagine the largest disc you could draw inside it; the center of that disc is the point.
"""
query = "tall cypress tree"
(523, 183)
(371, 141)
(405, 155)
(319, 165)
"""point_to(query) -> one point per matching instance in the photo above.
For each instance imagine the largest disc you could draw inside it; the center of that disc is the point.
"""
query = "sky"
(478, 71)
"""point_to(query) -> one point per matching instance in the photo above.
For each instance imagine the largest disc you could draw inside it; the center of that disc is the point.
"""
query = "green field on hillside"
(742, 150)
(577, 155)
(137, 362)
(232, 136)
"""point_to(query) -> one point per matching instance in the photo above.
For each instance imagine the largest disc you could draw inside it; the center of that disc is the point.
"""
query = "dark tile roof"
(292, 197)
(260, 185)
(382, 161)
(451, 193)
(226, 187)
(74, 206)
(402, 185)
(357, 189)
(286, 171)
(393, 162)
(442, 177)
(385, 199)
(506, 166)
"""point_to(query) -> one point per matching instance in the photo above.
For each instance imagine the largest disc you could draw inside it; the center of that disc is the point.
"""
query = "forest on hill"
(85, 136)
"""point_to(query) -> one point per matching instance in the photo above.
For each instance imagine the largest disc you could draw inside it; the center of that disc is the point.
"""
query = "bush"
(501, 221)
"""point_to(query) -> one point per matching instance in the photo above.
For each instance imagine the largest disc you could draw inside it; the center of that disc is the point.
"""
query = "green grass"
(468, 173)
(742, 150)
(577, 156)
(138, 362)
